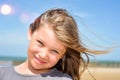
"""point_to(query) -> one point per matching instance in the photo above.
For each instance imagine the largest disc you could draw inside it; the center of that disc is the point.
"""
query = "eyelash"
(55, 51)
(40, 43)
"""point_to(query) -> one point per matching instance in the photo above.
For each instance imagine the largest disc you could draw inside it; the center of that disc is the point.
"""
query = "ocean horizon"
(13, 60)
(16, 58)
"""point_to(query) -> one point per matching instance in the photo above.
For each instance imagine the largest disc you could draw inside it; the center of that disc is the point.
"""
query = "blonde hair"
(66, 30)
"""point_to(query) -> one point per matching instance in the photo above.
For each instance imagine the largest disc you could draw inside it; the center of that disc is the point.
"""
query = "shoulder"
(58, 75)
(5, 70)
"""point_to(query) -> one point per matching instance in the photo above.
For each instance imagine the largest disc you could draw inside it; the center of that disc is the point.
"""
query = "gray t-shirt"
(8, 73)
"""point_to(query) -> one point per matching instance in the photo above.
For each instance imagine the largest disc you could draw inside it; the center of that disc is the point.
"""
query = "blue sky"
(98, 22)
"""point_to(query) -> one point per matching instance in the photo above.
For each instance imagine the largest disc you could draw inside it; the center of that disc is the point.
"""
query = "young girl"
(54, 51)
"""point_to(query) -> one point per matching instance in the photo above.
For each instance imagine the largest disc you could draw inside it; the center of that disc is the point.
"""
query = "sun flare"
(5, 9)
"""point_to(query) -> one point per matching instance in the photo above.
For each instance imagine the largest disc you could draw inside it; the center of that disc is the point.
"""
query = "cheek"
(33, 47)
(54, 59)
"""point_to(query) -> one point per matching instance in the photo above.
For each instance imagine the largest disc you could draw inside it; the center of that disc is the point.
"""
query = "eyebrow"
(59, 50)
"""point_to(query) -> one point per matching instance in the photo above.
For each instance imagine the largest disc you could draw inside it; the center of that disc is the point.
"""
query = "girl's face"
(44, 50)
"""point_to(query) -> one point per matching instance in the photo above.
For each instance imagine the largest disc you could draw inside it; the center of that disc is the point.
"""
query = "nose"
(43, 53)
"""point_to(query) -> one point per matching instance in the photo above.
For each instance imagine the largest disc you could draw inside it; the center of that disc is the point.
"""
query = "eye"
(40, 43)
(55, 51)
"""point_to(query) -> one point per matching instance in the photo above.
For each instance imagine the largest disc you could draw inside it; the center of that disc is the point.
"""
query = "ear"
(29, 34)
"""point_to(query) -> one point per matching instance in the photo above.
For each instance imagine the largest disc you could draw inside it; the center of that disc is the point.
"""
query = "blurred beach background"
(100, 70)
(98, 23)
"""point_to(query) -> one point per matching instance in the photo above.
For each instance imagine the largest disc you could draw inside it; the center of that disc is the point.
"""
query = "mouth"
(38, 60)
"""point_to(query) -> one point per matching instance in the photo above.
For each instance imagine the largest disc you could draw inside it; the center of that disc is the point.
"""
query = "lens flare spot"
(5, 9)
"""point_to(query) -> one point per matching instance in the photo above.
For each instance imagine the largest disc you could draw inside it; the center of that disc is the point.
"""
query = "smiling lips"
(38, 60)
